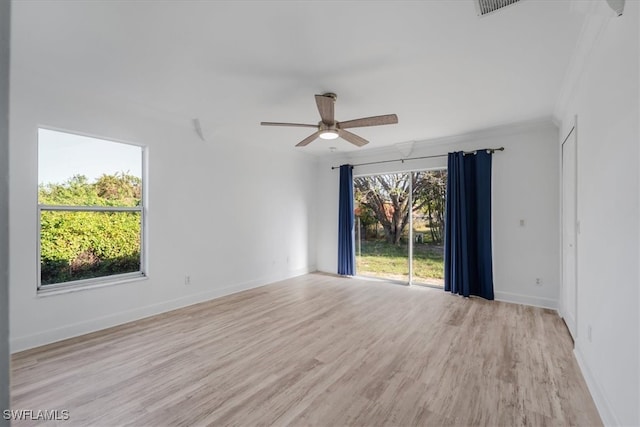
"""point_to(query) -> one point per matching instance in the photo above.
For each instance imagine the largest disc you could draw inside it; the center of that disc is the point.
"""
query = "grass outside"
(381, 259)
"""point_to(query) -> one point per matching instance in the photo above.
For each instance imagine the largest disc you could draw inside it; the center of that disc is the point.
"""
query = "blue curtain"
(346, 240)
(468, 261)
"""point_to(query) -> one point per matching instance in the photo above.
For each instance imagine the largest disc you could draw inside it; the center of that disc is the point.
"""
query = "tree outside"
(382, 209)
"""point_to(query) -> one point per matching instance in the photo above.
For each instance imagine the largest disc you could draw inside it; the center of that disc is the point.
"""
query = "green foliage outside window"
(78, 245)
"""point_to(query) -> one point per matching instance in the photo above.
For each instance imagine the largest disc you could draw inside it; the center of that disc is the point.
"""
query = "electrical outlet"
(187, 280)
(522, 223)
(538, 281)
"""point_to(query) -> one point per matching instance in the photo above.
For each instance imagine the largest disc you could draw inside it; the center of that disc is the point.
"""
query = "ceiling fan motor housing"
(331, 95)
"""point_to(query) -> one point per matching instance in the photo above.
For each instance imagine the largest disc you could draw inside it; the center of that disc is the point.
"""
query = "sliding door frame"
(410, 236)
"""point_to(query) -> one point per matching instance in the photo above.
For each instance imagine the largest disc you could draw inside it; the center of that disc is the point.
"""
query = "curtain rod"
(490, 150)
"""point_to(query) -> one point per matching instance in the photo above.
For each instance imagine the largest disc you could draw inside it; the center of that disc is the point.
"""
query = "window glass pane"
(382, 219)
(429, 190)
(82, 245)
(83, 171)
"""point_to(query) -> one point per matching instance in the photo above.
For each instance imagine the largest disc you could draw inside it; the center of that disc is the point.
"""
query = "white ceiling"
(440, 67)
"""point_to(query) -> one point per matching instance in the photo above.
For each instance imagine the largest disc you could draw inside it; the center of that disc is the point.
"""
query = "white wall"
(231, 217)
(606, 103)
(5, 13)
(525, 186)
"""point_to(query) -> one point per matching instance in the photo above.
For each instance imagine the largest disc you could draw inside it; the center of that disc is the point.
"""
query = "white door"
(568, 297)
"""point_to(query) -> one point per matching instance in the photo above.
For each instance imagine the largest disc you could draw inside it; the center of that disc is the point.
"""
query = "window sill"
(50, 290)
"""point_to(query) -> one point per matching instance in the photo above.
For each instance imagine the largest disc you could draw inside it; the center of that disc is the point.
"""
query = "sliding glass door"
(399, 226)
(428, 227)
(382, 246)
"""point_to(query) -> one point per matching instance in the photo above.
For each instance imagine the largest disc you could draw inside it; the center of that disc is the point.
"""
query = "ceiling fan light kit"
(329, 134)
(329, 128)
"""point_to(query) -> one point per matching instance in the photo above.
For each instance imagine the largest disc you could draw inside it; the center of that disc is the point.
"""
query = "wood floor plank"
(316, 350)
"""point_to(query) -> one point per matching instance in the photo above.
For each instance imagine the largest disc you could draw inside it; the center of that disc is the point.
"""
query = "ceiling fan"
(329, 128)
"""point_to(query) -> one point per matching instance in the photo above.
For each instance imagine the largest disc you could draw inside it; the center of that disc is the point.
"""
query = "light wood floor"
(317, 350)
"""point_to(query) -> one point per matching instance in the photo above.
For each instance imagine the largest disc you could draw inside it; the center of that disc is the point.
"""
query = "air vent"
(485, 7)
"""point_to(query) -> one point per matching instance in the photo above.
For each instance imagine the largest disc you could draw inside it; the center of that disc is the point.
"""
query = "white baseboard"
(526, 300)
(80, 328)
(514, 298)
(602, 403)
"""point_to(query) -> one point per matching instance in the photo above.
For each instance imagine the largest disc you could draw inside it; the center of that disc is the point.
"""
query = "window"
(90, 210)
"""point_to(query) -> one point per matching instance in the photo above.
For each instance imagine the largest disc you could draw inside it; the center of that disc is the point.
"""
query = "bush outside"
(77, 245)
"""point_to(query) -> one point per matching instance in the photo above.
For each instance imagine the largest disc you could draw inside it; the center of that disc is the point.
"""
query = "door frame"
(410, 242)
(572, 325)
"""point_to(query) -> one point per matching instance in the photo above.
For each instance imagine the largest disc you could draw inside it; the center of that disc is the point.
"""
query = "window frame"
(94, 282)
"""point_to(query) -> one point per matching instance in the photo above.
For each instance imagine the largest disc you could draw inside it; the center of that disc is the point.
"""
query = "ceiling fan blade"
(308, 139)
(300, 125)
(352, 138)
(388, 119)
(326, 108)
